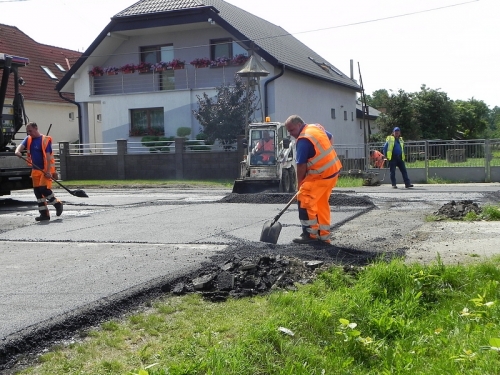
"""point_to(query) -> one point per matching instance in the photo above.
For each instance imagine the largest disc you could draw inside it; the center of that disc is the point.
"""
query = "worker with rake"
(318, 168)
(39, 153)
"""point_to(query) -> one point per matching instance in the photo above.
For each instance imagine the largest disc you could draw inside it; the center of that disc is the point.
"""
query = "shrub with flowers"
(239, 59)
(201, 62)
(96, 71)
(177, 64)
(128, 68)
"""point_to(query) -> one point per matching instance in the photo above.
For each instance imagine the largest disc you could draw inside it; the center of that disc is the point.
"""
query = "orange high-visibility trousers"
(314, 207)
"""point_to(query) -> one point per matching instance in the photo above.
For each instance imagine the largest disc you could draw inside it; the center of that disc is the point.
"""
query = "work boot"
(304, 239)
(59, 207)
(44, 215)
(409, 186)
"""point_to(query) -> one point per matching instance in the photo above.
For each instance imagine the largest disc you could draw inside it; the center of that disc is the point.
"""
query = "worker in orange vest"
(377, 158)
(41, 158)
(265, 148)
(318, 169)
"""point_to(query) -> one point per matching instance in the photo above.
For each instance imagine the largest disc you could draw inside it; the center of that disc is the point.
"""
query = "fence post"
(487, 160)
(121, 151)
(63, 162)
(179, 151)
(426, 149)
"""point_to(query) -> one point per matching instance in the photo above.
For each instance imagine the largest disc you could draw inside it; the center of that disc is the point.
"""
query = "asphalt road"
(118, 242)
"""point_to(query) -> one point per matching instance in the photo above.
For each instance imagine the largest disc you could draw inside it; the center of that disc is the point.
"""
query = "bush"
(157, 143)
(183, 131)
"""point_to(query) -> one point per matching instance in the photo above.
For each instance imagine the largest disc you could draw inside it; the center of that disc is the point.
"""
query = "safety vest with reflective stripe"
(325, 161)
(49, 163)
(390, 146)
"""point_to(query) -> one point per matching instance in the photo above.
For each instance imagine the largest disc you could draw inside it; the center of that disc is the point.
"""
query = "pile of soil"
(458, 210)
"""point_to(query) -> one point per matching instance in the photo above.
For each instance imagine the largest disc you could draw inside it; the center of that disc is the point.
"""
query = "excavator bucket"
(255, 186)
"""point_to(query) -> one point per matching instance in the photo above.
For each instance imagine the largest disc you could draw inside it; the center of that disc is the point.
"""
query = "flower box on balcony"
(96, 71)
(220, 61)
(239, 59)
(144, 67)
(111, 70)
(128, 68)
(201, 62)
(176, 64)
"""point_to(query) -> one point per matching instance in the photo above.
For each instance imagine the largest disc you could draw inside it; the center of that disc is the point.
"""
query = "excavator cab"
(268, 164)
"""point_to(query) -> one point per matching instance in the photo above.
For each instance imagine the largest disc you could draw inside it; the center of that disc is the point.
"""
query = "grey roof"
(372, 112)
(273, 43)
(277, 42)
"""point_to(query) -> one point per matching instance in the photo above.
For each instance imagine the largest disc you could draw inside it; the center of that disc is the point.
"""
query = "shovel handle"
(276, 218)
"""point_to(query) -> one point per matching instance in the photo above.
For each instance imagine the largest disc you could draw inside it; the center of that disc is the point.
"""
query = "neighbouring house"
(47, 65)
(367, 120)
(144, 71)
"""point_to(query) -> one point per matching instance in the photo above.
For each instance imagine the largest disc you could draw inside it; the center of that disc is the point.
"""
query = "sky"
(447, 45)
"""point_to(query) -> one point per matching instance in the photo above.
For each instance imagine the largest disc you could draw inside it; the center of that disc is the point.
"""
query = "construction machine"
(15, 174)
(268, 164)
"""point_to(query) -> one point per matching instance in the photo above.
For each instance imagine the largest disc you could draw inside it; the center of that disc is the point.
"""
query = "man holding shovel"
(41, 158)
(318, 168)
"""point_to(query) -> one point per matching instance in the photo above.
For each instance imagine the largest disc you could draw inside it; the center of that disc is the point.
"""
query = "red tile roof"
(39, 86)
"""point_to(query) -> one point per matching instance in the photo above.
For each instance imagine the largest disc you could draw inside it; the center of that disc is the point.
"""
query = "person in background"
(394, 152)
(318, 169)
(41, 159)
(377, 158)
(265, 148)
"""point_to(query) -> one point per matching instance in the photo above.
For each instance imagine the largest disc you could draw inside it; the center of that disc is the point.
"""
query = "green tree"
(435, 114)
(224, 117)
(400, 112)
(473, 117)
(378, 99)
(494, 124)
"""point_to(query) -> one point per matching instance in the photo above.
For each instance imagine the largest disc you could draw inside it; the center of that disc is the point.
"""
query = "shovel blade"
(270, 232)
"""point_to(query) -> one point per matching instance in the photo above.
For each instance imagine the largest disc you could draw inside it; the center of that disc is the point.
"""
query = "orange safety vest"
(378, 159)
(325, 161)
(266, 146)
(49, 163)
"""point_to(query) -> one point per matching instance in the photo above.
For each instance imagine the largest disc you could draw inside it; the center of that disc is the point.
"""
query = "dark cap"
(396, 129)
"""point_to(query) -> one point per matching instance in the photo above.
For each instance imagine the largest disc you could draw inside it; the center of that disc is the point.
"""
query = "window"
(71, 116)
(352, 116)
(225, 48)
(60, 67)
(333, 112)
(99, 117)
(345, 115)
(147, 121)
(49, 72)
(156, 54)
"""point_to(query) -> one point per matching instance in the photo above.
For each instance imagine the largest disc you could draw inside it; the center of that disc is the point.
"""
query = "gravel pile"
(458, 210)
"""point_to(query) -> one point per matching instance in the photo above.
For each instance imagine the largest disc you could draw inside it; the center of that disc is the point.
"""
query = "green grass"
(223, 184)
(388, 318)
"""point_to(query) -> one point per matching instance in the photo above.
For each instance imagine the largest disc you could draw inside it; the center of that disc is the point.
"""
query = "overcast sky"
(451, 45)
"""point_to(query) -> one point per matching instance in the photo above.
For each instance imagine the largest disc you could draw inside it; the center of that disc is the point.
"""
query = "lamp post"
(252, 70)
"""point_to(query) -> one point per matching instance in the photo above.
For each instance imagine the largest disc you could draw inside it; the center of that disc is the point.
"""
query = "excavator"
(268, 163)
(15, 174)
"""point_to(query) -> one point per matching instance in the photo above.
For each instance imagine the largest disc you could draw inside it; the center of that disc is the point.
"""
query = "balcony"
(167, 80)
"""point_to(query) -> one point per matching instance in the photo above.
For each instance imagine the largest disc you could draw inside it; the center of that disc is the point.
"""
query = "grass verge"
(387, 318)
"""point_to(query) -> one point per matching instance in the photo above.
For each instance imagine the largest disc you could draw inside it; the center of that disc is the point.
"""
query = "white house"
(122, 106)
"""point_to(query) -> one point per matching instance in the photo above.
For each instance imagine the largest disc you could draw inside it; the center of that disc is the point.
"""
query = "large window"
(225, 48)
(156, 54)
(147, 121)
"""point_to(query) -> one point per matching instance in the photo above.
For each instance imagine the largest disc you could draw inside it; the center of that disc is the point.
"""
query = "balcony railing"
(167, 80)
